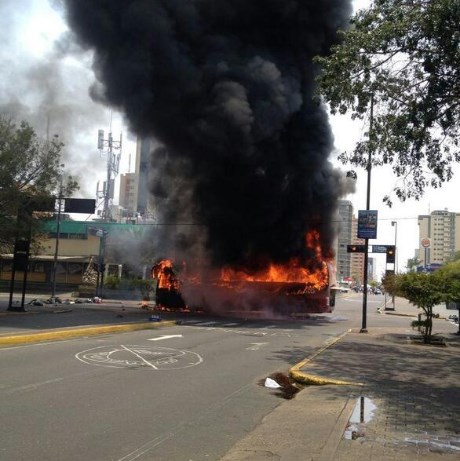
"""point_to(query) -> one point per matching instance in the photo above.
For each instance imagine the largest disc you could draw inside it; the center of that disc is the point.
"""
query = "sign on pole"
(425, 242)
(80, 205)
(367, 224)
(379, 248)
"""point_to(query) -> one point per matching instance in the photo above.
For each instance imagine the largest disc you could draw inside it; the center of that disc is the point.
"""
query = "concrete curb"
(333, 441)
(69, 333)
(305, 378)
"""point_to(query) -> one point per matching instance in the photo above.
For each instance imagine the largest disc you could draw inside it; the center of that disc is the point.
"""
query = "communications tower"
(108, 147)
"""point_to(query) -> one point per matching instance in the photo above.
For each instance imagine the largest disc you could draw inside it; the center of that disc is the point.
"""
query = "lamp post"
(101, 233)
(368, 205)
(58, 229)
(395, 225)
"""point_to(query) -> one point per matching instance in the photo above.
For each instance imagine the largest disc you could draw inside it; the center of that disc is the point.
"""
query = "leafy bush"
(112, 282)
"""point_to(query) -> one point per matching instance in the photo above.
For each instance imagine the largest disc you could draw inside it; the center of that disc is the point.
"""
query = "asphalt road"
(188, 392)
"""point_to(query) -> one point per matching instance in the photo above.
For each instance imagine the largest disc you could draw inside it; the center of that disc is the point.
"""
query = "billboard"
(80, 205)
(367, 224)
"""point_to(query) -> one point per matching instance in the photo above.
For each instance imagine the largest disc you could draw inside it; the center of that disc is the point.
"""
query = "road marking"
(33, 386)
(165, 337)
(137, 355)
(255, 346)
(155, 357)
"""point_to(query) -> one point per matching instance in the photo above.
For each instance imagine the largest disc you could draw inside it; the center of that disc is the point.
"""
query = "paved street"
(176, 392)
(97, 391)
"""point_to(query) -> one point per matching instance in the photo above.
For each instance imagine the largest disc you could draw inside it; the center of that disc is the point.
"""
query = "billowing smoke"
(226, 86)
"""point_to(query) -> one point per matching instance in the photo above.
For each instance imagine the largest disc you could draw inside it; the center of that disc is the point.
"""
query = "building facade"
(439, 237)
(81, 245)
(357, 259)
(128, 195)
(134, 196)
(344, 238)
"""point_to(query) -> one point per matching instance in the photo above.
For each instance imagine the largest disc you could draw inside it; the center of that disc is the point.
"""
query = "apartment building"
(343, 259)
(439, 237)
(357, 259)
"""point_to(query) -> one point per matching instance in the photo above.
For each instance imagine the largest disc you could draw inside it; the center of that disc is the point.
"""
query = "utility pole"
(107, 147)
(368, 205)
(58, 229)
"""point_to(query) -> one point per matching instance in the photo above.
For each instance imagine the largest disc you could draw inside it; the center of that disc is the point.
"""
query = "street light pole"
(101, 233)
(368, 206)
(58, 229)
(395, 225)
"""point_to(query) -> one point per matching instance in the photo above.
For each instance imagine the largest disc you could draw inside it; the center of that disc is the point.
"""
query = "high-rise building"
(343, 259)
(134, 187)
(357, 259)
(439, 237)
(128, 194)
(143, 155)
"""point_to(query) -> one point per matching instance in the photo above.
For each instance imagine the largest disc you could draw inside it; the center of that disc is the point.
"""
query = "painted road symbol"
(149, 357)
(255, 346)
(164, 337)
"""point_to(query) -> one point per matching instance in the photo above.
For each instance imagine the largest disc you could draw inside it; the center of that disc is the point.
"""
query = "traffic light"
(391, 254)
(356, 248)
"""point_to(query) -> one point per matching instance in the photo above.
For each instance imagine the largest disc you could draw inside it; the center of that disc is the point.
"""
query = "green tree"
(404, 56)
(450, 275)
(423, 291)
(455, 257)
(29, 172)
(413, 263)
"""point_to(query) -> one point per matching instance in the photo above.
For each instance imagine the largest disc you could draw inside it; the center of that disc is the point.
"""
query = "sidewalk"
(60, 321)
(408, 408)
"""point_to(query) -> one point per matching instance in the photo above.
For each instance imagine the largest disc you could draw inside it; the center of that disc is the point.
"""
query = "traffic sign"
(425, 242)
(379, 248)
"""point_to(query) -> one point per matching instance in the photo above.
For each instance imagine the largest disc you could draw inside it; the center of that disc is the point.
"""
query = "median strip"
(55, 335)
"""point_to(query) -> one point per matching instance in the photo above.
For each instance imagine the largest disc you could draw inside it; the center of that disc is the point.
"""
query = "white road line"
(33, 386)
(255, 346)
(137, 355)
(164, 337)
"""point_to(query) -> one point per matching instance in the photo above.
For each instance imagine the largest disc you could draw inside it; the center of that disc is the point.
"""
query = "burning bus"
(238, 295)
(280, 291)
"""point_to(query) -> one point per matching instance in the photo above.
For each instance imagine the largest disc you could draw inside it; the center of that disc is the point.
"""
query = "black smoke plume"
(226, 87)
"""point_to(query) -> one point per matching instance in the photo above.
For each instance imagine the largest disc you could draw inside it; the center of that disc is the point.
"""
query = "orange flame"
(164, 273)
(315, 279)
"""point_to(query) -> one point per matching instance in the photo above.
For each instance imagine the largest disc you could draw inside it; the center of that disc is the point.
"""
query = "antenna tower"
(108, 147)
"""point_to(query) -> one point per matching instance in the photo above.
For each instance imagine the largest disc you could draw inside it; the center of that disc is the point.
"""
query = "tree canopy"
(404, 56)
(450, 276)
(30, 169)
(424, 291)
